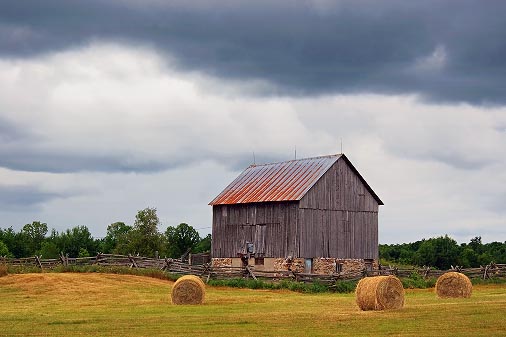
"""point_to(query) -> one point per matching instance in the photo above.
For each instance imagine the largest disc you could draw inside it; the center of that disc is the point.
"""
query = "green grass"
(315, 287)
(95, 304)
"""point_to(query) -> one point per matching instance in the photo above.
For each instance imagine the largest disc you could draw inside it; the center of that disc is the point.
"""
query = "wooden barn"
(315, 215)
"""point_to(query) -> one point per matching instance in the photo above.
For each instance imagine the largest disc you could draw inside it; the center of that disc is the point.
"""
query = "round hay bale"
(380, 293)
(188, 289)
(453, 285)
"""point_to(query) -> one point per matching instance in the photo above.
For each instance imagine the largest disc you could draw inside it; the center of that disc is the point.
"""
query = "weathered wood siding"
(339, 189)
(271, 227)
(338, 217)
(340, 234)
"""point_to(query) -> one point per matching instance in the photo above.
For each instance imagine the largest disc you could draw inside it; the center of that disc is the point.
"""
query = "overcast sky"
(109, 107)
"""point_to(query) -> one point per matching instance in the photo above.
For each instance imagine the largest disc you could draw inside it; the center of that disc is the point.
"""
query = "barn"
(314, 215)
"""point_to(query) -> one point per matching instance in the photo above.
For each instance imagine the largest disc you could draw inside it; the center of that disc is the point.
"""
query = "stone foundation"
(221, 262)
(351, 265)
(295, 265)
(324, 265)
(320, 265)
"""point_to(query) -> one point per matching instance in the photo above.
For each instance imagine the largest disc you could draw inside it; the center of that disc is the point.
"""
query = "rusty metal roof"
(285, 181)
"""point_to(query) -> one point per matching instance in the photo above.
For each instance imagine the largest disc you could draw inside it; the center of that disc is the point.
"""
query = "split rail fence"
(205, 270)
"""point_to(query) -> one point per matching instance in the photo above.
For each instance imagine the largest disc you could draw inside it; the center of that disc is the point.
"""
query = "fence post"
(37, 259)
(485, 273)
(99, 255)
(426, 272)
(133, 261)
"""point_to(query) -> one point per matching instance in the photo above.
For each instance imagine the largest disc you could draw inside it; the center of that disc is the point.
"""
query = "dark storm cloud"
(443, 50)
(28, 157)
(21, 150)
(13, 197)
(47, 160)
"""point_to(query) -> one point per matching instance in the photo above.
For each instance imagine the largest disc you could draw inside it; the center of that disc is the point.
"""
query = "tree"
(49, 250)
(4, 250)
(144, 238)
(17, 243)
(116, 240)
(83, 252)
(476, 245)
(204, 245)
(72, 240)
(180, 239)
(441, 252)
(468, 257)
(34, 233)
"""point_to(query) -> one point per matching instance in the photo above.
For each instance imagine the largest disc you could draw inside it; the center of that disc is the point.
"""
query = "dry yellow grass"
(3, 270)
(125, 305)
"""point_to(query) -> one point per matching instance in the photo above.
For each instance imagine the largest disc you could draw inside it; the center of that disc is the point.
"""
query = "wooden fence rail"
(178, 266)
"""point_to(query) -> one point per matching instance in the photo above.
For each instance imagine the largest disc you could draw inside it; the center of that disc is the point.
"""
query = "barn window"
(308, 266)
(259, 261)
(250, 248)
(339, 267)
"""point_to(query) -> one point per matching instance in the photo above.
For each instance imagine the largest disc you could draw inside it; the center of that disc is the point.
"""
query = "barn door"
(308, 266)
(246, 237)
(260, 239)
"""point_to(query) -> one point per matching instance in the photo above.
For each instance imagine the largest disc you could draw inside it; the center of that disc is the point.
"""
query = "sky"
(109, 107)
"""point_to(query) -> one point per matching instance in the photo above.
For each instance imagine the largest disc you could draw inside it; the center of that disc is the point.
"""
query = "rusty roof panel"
(285, 181)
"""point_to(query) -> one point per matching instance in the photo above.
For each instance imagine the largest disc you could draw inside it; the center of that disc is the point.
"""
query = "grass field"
(124, 305)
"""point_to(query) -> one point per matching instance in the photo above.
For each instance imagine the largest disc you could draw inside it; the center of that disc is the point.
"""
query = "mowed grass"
(124, 305)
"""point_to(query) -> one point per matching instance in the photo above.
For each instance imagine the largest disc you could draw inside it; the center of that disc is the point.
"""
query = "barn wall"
(271, 227)
(341, 234)
(340, 189)
(338, 217)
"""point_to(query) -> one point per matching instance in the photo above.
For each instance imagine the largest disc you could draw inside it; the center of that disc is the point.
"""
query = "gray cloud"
(10, 132)
(19, 197)
(441, 50)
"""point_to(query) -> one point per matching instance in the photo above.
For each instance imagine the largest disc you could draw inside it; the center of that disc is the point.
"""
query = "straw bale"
(453, 284)
(380, 293)
(188, 289)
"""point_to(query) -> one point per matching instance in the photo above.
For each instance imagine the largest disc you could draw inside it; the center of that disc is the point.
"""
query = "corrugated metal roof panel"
(285, 181)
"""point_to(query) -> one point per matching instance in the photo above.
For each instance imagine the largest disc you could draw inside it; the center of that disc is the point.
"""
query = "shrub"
(416, 280)
(495, 280)
(345, 286)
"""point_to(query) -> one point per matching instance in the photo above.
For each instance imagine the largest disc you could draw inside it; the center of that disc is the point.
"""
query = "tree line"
(143, 238)
(443, 252)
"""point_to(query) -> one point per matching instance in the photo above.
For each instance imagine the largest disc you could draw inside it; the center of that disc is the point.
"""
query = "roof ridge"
(293, 160)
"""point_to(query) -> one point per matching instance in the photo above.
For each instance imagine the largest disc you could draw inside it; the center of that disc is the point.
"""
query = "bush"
(416, 280)
(345, 287)
(300, 287)
(496, 280)
(23, 269)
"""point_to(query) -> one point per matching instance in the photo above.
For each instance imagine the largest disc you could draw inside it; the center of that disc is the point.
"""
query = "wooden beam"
(251, 272)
